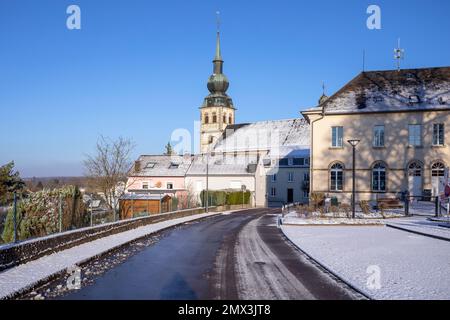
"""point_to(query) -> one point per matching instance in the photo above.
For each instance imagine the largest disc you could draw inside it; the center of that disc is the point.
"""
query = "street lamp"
(207, 182)
(354, 143)
(243, 189)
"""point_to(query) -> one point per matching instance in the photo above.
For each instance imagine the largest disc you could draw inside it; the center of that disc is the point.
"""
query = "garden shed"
(133, 205)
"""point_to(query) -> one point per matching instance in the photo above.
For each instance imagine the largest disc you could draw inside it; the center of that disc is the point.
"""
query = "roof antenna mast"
(364, 60)
(399, 54)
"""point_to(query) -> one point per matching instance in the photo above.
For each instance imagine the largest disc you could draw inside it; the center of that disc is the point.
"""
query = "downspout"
(311, 176)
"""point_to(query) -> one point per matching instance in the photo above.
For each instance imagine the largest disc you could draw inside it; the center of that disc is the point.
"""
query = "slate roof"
(162, 166)
(265, 135)
(390, 91)
(224, 164)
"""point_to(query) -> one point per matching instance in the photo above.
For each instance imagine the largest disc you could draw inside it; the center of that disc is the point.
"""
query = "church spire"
(218, 62)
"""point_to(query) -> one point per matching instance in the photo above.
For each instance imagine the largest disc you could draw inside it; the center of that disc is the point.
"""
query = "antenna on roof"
(399, 54)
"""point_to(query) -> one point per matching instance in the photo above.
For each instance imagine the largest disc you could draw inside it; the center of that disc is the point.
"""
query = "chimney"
(137, 166)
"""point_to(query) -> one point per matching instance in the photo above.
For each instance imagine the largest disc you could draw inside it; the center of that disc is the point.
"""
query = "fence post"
(60, 213)
(436, 205)
(15, 217)
(406, 199)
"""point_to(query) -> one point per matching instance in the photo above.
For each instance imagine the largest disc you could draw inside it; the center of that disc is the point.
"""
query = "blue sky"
(138, 68)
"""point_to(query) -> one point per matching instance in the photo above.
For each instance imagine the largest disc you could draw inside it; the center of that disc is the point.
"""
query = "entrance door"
(437, 178)
(290, 195)
(415, 179)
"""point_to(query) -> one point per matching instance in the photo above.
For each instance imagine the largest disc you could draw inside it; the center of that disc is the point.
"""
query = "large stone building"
(217, 110)
(402, 119)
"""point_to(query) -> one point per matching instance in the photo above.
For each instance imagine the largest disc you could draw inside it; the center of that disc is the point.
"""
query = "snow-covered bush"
(38, 213)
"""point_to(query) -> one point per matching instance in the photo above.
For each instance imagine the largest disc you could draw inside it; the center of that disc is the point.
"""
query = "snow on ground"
(411, 266)
(27, 275)
(423, 225)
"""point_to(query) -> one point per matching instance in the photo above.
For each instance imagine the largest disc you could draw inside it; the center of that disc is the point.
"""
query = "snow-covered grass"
(411, 266)
(26, 276)
(331, 218)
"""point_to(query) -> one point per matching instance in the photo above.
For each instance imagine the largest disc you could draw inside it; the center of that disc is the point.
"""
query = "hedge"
(220, 198)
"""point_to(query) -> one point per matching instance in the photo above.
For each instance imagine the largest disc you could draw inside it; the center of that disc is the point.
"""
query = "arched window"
(210, 139)
(230, 120)
(438, 169)
(379, 177)
(206, 118)
(214, 117)
(337, 177)
(415, 169)
(224, 118)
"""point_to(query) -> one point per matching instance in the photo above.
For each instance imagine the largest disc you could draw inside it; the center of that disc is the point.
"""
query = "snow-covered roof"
(224, 164)
(264, 135)
(380, 91)
(162, 166)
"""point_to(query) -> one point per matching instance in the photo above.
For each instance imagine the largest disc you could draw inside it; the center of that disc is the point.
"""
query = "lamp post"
(207, 183)
(354, 143)
(243, 189)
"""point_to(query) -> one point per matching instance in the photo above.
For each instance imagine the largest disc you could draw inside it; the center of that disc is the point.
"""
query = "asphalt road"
(237, 256)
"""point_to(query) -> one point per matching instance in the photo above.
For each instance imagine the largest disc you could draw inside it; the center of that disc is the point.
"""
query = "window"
(337, 137)
(290, 161)
(336, 177)
(224, 119)
(379, 177)
(415, 135)
(290, 177)
(438, 169)
(229, 120)
(174, 165)
(305, 194)
(306, 176)
(150, 165)
(283, 162)
(415, 169)
(206, 118)
(144, 185)
(273, 192)
(169, 185)
(306, 161)
(299, 161)
(438, 134)
(378, 136)
(214, 118)
(274, 177)
(210, 139)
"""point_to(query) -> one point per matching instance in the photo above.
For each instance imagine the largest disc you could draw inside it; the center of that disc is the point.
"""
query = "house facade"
(402, 119)
(159, 175)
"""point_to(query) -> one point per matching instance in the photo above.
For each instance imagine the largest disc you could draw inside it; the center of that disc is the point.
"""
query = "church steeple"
(217, 110)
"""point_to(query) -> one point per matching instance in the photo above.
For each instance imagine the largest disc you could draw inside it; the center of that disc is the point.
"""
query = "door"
(290, 195)
(415, 179)
(437, 178)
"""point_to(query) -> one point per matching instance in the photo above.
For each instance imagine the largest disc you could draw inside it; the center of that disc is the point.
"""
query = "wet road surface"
(242, 255)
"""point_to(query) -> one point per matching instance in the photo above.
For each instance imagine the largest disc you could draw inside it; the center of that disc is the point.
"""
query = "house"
(402, 119)
(160, 175)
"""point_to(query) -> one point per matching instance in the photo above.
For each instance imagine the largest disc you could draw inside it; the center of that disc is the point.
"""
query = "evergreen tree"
(169, 149)
(10, 182)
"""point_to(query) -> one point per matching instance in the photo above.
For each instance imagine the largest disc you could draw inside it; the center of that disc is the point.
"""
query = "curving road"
(242, 255)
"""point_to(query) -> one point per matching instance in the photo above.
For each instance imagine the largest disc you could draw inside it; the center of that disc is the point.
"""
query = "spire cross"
(218, 21)
(399, 54)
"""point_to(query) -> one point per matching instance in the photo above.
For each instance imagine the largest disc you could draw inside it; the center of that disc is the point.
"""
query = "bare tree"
(107, 168)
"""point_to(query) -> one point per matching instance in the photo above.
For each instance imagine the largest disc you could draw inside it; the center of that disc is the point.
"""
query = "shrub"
(365, 207)
(317, 199)
(346, 209)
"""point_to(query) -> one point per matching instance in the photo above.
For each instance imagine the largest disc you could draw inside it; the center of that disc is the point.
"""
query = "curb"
(59, 273)
(321, 264)
(418, 232)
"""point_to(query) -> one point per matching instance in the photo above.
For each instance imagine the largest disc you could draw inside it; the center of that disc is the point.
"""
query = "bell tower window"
(230, 120)
(224, 118)
(206, 118)
(214, 119)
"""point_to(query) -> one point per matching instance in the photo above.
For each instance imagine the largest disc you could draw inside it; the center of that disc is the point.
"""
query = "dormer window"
(414, 99)
(377, 99)
(441, 100)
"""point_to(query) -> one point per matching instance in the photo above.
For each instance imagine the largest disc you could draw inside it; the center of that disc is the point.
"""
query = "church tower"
(217, 110)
